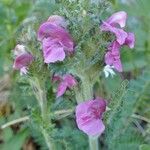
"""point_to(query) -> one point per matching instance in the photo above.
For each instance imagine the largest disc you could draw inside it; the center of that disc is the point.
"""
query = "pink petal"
(22, 61)
(117, 65)
(115, 48)
(61, 89)
(88, 116)
(93, 128)
(121, 35)
(99, 104)
(130, 40)
(53, 54)
(108, 58)
(70, 80)
(48, 29)
(118, 18)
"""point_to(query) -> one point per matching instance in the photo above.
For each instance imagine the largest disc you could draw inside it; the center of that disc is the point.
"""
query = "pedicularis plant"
(63, 58)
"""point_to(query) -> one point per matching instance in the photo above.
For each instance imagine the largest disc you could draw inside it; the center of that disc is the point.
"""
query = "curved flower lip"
(22, 60)
(118, 18)
(89, 115)
(47, 29)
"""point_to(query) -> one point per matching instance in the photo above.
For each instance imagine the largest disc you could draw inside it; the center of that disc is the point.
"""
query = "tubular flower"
(55, 39)
(114, 24)
(22, 59)
(89, 116)
(65, 82)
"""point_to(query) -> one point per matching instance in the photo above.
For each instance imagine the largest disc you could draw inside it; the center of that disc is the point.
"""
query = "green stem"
(93, 143)
(48, 140)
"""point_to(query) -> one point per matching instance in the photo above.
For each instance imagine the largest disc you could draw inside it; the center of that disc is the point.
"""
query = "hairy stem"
(40, 94)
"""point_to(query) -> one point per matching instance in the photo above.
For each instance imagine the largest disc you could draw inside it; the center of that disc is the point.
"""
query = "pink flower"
(65, 82)
(89, 116)
(22, 59)
(112, 57)
(130, 40)
(114, 24)
(111, 24)
(56, 40)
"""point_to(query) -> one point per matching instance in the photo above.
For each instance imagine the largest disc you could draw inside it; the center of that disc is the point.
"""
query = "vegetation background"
(128, 122)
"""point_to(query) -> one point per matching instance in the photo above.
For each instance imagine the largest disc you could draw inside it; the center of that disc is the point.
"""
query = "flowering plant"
(68, 58)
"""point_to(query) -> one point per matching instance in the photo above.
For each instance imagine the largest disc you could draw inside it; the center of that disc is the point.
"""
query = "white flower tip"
(108, 70)
(107, 108)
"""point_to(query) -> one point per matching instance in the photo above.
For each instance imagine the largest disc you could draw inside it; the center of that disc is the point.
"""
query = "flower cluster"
(56, 41)
(115, 25)
(22, 59)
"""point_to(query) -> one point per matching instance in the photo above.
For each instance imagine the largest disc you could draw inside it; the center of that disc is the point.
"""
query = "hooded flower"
(112, 23)
(65, 82)
(89, 116)
(55, 39)
(22, 59)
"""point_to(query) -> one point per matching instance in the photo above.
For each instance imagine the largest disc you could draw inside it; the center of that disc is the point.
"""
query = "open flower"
(55, 39)
(65, 82)
(111, 24)
(89, 116)
(22, 59)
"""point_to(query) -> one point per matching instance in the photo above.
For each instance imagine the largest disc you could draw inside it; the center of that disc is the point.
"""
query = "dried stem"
(15, 122)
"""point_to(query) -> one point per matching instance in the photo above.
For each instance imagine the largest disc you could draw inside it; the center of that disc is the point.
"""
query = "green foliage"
(19, 24)
(14, 141)
(123, 105)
